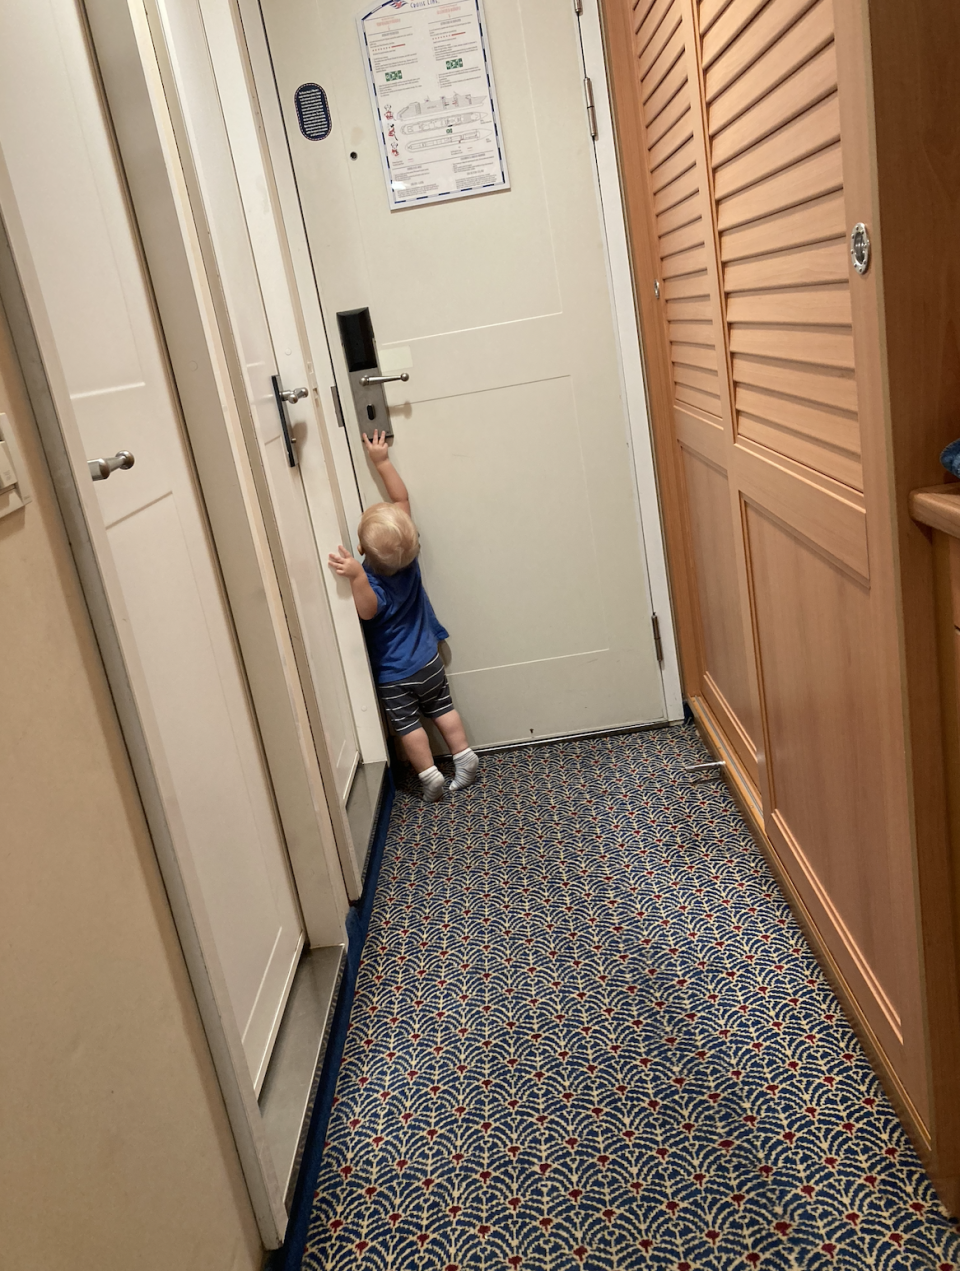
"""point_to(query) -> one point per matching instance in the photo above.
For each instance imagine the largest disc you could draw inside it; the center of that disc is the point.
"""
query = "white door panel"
(99, 334)
(511, 432)
(218, 122)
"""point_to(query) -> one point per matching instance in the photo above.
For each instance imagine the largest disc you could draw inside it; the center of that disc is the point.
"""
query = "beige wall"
(115, 1152)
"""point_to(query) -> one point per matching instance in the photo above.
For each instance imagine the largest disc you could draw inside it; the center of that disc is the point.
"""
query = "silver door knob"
(383, 379)
(100, 469)
(293, 395)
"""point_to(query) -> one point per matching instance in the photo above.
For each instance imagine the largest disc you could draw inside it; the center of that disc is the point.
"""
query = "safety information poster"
(431, 84)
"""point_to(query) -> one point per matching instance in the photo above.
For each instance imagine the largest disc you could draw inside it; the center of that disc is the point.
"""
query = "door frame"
(633, 368)
(622, 302)
(40, 371)
(186, 322)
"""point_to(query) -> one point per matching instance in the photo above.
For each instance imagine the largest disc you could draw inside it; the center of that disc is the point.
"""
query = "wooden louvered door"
(698, 389)
(763, 358)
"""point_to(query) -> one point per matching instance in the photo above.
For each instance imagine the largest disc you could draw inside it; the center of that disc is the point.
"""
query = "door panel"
(826, 809)
(775, 520)
(94, 314)
(511, 433)
(699, 387)
(725, 681)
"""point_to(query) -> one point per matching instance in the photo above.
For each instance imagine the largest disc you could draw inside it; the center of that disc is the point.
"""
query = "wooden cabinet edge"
(747, 798)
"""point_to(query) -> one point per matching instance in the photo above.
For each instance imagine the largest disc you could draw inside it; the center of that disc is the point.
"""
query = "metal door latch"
(291, 395)
(100, 469)
(383, 379)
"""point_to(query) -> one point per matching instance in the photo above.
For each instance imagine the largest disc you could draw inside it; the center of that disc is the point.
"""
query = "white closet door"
(94, 315)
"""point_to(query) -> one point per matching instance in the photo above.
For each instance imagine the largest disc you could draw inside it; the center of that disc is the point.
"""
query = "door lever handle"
(100, 469)
(383, 379)
(293, 395)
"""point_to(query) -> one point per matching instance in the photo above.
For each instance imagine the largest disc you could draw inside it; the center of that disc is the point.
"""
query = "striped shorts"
(427, 692)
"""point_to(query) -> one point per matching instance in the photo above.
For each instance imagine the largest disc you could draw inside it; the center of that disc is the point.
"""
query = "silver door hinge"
(657, 641)
(578, 7)
(656, 288)
(591, 108)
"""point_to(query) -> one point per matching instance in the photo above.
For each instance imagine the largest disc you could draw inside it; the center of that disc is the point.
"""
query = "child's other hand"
(342, 563)
(377, 448)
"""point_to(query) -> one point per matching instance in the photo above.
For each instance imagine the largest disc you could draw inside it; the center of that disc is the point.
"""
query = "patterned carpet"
(588, 1036)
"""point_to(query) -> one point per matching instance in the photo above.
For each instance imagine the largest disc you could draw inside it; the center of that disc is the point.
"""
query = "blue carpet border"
(290, 1254)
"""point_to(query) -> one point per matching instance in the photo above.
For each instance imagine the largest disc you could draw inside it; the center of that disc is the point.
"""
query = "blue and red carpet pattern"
(588, 1035)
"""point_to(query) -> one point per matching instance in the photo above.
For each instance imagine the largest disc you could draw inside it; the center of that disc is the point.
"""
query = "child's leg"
(466, 763)
(416, 746)
(452, 731)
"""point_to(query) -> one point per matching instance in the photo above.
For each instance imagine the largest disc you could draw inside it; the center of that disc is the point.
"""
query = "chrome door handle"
(293, 395)
(383, 379)
(100, 469)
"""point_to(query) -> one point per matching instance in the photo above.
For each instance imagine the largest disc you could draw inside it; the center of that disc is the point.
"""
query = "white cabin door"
(220, 123)
(511, 432)
(80, 259)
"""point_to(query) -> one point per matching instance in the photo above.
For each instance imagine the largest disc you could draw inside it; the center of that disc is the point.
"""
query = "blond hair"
(388, 537)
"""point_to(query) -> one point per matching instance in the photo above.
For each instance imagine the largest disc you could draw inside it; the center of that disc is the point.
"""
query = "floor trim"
(290, 1255)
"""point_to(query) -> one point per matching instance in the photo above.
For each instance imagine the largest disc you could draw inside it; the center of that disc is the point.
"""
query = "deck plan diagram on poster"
(431, 83)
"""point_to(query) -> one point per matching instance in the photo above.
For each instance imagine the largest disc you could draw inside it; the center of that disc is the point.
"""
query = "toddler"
(402, 631)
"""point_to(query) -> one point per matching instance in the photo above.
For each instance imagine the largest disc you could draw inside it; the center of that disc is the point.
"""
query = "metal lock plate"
(860, 248)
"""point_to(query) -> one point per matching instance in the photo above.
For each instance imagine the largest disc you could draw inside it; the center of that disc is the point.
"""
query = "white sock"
(466, 769)
(432, 781)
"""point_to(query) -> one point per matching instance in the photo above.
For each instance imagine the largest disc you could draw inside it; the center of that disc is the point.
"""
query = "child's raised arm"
(391, 478)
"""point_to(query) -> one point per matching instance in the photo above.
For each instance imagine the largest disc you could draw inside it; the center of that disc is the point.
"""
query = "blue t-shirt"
(402, 636)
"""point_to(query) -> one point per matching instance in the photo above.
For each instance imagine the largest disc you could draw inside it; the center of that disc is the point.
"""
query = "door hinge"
(657, 641)
(656, 287)
(591, 108)
(578, 7)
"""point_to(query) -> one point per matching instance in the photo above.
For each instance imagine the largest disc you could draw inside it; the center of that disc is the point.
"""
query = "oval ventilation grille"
(313, 112)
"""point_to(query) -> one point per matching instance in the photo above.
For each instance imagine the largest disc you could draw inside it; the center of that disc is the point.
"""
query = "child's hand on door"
(377, 449)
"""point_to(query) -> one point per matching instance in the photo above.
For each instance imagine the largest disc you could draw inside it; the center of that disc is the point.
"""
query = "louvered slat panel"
(710, 10)
(694, 355)
(836, 463)
(827, 346)
(798, 95)
(814, 422)
(819, 306)
(690, 285)
(778, 186)
(808, 223)
(668, 88)
(676, 172)
(680, 214)
(682, 187)
(818, 264)
(647, 25)
(837, 389)
(680, 239)
(664, 64)
(809, 179)
(812, 33)
(671, 113)
(728, 27)
(673, 139)
(763, 32)
(659, 41)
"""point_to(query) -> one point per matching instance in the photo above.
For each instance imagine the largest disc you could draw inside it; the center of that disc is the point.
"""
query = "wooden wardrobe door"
(769, 84)
(731, 128)
(696, 383)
